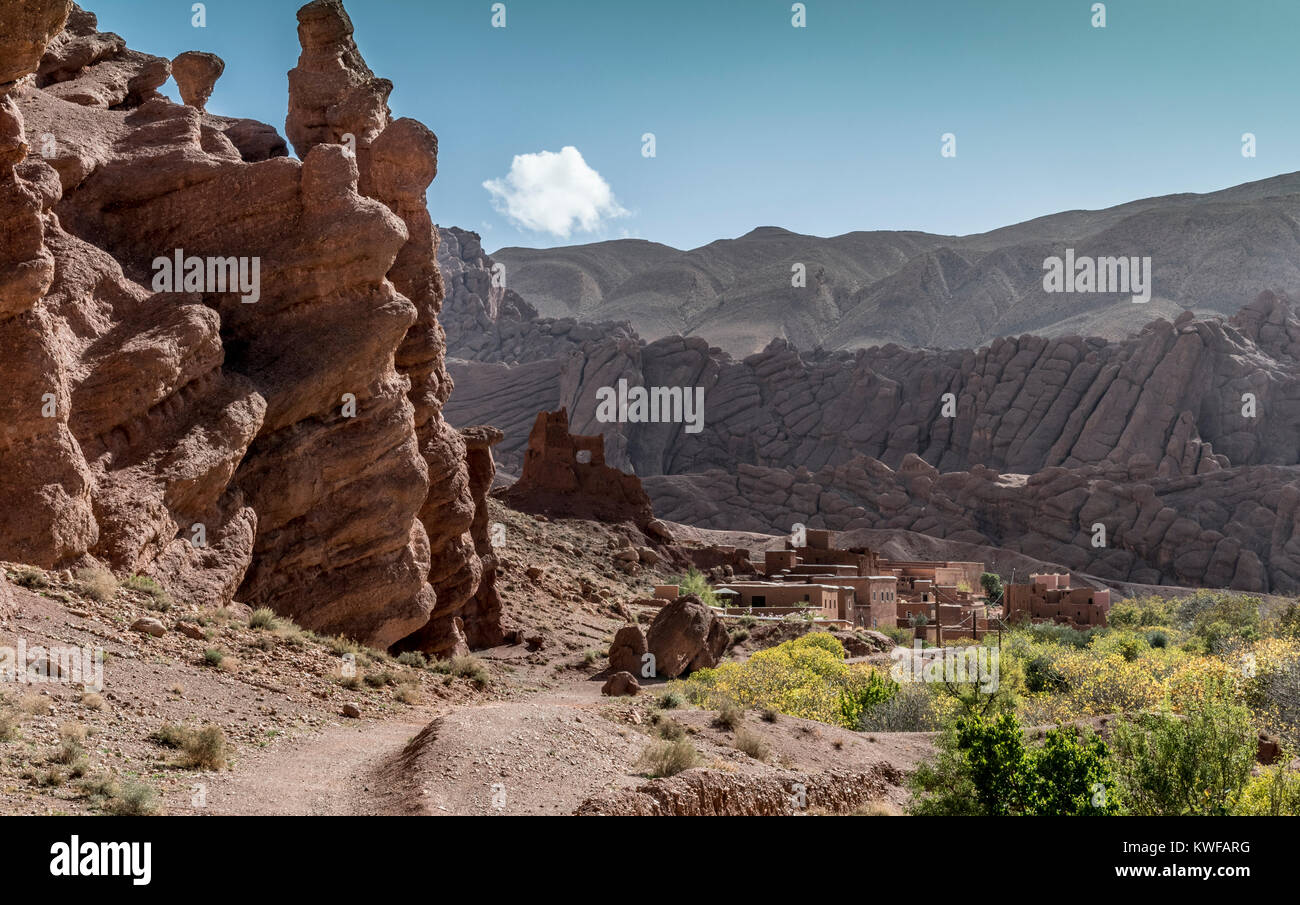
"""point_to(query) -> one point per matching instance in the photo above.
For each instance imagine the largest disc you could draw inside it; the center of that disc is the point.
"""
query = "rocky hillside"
(1182, 439)
(283, 443)
(922, 290)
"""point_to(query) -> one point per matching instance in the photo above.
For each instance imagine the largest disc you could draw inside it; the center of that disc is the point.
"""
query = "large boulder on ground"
(685, 636)
(620, 684)
(628, 648)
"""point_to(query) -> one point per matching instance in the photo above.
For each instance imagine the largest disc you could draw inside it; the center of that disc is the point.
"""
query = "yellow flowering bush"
(806, 677)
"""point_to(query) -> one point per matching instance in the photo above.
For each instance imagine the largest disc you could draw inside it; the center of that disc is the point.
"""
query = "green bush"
(985, 768)
(1194, 764)
(694, 582)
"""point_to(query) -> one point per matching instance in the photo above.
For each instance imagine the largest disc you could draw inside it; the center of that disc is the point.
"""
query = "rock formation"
(685, 636)
(281, 439)
(196, 74)
(565, 476)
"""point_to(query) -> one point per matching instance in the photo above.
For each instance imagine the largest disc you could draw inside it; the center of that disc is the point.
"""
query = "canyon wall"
(282, 446)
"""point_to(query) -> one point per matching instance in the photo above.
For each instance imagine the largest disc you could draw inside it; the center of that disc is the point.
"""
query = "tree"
(992, 584)
(985, 768)
(1196, 764)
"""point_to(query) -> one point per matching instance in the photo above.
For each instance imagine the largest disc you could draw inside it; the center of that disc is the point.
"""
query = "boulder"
(627, 649)
(147, 625)
(620, 684)
(684, 636)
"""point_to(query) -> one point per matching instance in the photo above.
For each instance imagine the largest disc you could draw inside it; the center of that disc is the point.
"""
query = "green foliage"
(1194, 764)
(262, 617)
(991, 582)
(910, 709)
(694, 582)
(985, 768)
(1275, 792)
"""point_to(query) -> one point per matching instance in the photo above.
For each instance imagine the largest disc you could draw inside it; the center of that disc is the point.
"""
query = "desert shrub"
(668, 758)
(729, 716)
(170, 735)
(694, 582)
(262, 618)
(910, 709)
(1196, 764)
(413, 658)
(768, 715)
(671, 700)
(341, 645)
(214, 657)
(752, 744)
(159, 599)
(1065, 635)
(205, 749)
(1274, 792)
(135, 799)
(380, 679)
(9, 722)
(468, 667)
(1042, 677)
(31, 579)
(671, 730)
(986, 768)
(805, 677)
(408, 693)
(1157, 639)
(739, 636)
(97, 583)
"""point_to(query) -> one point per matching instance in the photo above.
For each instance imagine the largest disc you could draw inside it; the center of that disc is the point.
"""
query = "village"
(857, 588)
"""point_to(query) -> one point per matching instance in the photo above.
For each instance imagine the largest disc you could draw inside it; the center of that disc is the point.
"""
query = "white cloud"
(554, 193)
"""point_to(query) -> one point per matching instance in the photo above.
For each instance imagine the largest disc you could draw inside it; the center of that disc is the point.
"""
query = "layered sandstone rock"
(281, 439)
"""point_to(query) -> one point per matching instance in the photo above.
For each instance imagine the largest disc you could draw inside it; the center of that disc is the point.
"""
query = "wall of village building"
(1050, 598)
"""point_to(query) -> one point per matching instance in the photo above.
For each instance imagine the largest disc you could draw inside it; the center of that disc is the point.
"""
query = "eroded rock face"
(1183, 437)
(280, 440)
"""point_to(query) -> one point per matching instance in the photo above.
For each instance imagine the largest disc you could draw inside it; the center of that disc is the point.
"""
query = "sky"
(829, 128)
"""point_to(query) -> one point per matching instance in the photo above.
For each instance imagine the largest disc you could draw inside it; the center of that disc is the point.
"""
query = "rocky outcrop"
(196, 74)
(280, 440)
(565, 476)
(713, 793)
(685, 636)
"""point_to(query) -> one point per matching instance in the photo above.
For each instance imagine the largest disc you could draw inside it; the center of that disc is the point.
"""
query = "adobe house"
(1050, 598)
(789, 596)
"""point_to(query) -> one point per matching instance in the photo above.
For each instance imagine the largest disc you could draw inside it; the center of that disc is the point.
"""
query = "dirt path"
(326, 773)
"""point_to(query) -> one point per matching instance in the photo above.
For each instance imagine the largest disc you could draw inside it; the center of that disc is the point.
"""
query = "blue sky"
(824, 129)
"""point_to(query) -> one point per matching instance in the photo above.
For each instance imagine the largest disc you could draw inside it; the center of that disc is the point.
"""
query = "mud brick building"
(1050, 598)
